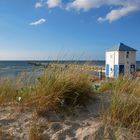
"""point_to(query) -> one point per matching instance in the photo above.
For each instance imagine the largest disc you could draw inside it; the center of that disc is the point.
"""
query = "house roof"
(121, 47)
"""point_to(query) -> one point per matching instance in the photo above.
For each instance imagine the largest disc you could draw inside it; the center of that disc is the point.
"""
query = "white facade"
(120, 61)
(112, 58)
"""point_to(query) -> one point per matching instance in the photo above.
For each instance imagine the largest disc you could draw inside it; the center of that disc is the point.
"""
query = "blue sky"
(66, 29)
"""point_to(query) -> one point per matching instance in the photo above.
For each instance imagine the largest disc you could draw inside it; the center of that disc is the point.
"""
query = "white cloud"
(84, 4)
(118, 13)
(38, 5)
(120, 9)
(53, 3)
(125, 7)
(89, 4)
(48, 3)
(38, 22)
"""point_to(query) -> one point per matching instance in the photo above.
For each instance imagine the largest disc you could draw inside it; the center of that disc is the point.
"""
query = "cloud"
(48, 3)
(53, 3)
(120, 9)
(124, 7)
(84, 4)
(38, 5)
(118, 13)
(38, 22)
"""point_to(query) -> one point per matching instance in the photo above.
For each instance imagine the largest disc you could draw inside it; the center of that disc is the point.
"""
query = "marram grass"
(56, 89)
(124, 110)
(60, 89)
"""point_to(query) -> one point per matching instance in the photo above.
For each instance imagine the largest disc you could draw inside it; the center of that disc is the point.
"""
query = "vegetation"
(34, 133)
(58, 89)
(55, 89)
(124, 110)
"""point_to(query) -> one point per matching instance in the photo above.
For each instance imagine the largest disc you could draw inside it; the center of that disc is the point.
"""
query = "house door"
(121, 69)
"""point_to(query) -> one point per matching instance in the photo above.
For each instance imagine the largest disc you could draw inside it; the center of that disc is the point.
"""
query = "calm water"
(13, 68)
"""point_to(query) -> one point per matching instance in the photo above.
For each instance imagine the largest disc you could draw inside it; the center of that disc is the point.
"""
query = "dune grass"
(57, 88)
(13, 88)
(60, 88)
(7, 91)
(124, 109)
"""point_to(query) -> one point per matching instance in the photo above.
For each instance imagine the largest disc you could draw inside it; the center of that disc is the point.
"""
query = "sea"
(15, 68)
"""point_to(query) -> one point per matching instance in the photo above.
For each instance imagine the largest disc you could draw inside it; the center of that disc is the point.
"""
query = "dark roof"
(121, 47)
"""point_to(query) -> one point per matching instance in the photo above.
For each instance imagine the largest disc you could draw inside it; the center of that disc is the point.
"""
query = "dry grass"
(56, 89)
(122, 85)
(138, 74)
(59, 88)
(13, 88)
(34, 133)
(124, 110)
(7, 91)
(1, 133)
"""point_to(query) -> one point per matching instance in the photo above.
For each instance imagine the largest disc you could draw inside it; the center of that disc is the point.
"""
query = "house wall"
(133, 57)
(127, 62)
(121, 57)
(112, 58)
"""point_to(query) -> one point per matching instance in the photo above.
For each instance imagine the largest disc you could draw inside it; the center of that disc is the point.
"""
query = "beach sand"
(83, 124)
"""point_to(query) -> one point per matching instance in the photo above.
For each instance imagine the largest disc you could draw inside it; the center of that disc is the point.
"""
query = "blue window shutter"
(115, 71)
(107, 69)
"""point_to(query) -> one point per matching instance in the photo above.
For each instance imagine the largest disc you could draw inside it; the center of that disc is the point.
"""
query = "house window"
(111, 56)
(127, 54)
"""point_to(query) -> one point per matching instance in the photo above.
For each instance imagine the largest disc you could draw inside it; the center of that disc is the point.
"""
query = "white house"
(120, 60)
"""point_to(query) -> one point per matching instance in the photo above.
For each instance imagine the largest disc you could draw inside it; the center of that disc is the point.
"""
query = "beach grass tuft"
(124, 110)
(61, 89)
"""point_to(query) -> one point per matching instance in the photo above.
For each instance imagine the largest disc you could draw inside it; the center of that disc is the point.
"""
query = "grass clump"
(60, 89)
(56, 89)
(7, 91)
(122, 85)
(13, 88)
(124, 109)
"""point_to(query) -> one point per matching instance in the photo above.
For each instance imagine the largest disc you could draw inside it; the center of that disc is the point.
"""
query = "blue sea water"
(14, 68)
